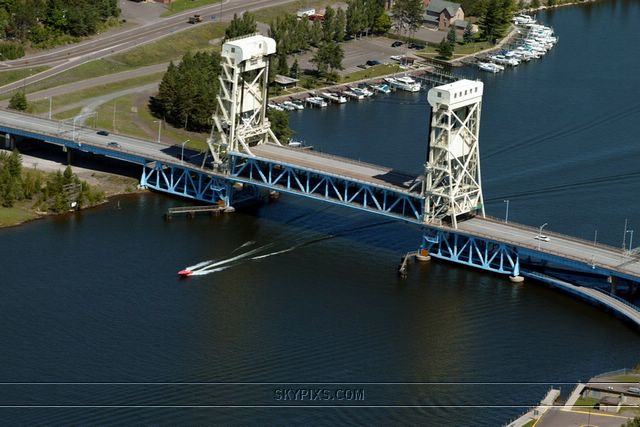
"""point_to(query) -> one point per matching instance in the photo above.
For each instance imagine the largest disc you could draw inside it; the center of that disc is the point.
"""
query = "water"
(94, 297)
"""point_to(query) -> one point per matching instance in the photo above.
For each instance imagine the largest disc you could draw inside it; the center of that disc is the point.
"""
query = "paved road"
(569, 247)
(111, 43)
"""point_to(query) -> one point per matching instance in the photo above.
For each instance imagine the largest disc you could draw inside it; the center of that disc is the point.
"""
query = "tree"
(241, 26)
(445, 49)
(294, 71)
(382, 25)
(329, 24)
(341, 25)
(451, 35)
(280, 124)
(407, 15)
(632, 423)
(283, 66)
(535, 4)
(19, 101)
(14, 164)
(315, 33)
(551, 3)
(187, 92)
(467, 37)
(328, 57)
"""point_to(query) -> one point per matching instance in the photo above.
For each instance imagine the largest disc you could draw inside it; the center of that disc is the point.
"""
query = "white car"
(542, 237)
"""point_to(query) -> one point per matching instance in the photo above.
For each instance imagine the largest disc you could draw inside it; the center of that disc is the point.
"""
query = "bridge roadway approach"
(478, 242)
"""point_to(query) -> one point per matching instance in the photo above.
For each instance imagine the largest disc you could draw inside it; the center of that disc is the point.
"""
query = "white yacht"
(404, 83)
(490, 67)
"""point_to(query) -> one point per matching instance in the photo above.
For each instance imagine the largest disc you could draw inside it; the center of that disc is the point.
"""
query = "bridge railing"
(586, 261)
(617, 298)
(535, 230)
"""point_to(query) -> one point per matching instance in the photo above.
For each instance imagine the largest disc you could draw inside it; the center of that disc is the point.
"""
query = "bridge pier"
(9, 141)
(471, 251)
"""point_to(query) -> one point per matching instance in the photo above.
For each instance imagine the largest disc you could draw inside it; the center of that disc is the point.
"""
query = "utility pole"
(624, 236)
(506, 215)
(114, 115)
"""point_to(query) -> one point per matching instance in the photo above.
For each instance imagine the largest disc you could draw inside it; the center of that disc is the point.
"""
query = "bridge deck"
(335, 165)
(563, 246)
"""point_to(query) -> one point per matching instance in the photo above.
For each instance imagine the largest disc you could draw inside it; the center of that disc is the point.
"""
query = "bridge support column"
(472, 252)
(614, 284)
(9, 142)
(423, 255)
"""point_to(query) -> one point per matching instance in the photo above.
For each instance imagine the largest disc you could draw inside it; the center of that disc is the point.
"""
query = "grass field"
(93, 92)
(15, 216)
(7, 77)
(585, 402)
(164, 50)
(67, 114)
(269, 14)
(375, 71)
(134, 119)
(178, 6)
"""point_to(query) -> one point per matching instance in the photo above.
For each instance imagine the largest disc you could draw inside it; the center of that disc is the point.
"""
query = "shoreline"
(112, 184)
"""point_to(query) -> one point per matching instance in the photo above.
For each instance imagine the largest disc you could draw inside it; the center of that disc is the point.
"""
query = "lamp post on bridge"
(506, 215)
(159, 128)
(630, 241)
(182, 151)
(540, 233)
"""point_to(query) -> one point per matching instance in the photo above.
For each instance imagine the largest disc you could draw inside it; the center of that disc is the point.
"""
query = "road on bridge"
(564, 246)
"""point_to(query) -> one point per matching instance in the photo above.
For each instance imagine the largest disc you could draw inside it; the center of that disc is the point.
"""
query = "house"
(444, 14)
(285, 82)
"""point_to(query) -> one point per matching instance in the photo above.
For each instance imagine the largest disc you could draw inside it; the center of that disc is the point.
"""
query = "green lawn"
(164, 50)
(375, 71)
(271, 13)
(130, 111)
(585, 402)
(93, 92)
(530, 423)
(178, 6)
(7, 77)
(15, 216)
(625, 378)
(67, 114)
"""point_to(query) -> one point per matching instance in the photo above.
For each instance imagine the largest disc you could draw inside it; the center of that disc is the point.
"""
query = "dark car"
(102, 132)
(113, 144)
(373, 62)
(416, 46)
(397, 43)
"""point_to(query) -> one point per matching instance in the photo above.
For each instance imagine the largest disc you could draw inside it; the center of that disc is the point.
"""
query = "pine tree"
(445, 49)
(329, 24)
(241, 26)
(283, 67)
(295, 69)
(19, 101)
(467, 37)
(341, 25)
(407, 15)
(451, 35)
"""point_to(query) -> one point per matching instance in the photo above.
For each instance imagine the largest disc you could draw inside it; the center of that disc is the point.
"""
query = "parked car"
(373, 62)
(113, 144)
(416, 46)
(103, 132)
(396, 43)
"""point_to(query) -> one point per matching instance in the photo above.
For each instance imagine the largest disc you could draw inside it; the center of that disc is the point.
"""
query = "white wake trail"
(275, 253)
(205, 272)
(235, 258)
(244, 245)
(198, 265)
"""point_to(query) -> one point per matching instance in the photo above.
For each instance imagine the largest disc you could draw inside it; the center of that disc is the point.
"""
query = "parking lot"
(358, 52)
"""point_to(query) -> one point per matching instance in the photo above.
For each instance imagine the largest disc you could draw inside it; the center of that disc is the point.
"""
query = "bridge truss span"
(345, 190)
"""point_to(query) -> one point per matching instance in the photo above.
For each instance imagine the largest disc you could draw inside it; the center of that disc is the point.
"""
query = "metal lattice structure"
(240, 119)
(341, 190)
(472, 251)
(452, 185)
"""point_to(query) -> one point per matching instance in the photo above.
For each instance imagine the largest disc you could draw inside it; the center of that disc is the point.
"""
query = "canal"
(93, 298)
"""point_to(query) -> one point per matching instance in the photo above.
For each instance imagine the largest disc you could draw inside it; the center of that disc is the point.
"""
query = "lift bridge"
(445, 201)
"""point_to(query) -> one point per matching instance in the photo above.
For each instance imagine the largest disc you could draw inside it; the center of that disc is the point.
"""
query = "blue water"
(93, 297)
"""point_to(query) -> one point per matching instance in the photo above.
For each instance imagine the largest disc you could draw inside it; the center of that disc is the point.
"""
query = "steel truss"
(472, 251)
(329, 188)
(186, 182)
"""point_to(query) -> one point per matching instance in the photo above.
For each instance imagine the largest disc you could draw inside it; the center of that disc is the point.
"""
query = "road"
(111, 43)
(565, 246)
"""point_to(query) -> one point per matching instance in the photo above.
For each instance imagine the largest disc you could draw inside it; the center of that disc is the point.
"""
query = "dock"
(191, 211)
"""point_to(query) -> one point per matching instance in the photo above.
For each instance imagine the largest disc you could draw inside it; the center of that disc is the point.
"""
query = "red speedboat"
(185, 273)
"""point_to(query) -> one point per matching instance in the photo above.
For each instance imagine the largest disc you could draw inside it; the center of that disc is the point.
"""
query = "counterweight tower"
(452, 186)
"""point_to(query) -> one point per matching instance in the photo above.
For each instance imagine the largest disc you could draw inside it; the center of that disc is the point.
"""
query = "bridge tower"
(240, 120)
(452, 186)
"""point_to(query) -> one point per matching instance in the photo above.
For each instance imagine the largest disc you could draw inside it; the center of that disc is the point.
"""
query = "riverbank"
(24, 211)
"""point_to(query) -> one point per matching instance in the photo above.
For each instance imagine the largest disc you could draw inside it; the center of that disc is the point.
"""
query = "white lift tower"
(452, 186)
(240, 119)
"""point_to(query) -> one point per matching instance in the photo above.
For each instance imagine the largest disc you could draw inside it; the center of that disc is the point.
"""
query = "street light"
(630, 240)
(159, 128)
(50, 104)
(182, 151)
(506, 215)
(540, 234)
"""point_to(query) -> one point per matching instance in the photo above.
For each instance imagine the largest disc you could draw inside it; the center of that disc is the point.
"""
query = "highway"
(100, 46)
(565, 246)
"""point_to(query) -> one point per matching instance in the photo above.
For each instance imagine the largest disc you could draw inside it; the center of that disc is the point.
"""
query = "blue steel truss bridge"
(445, 203)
